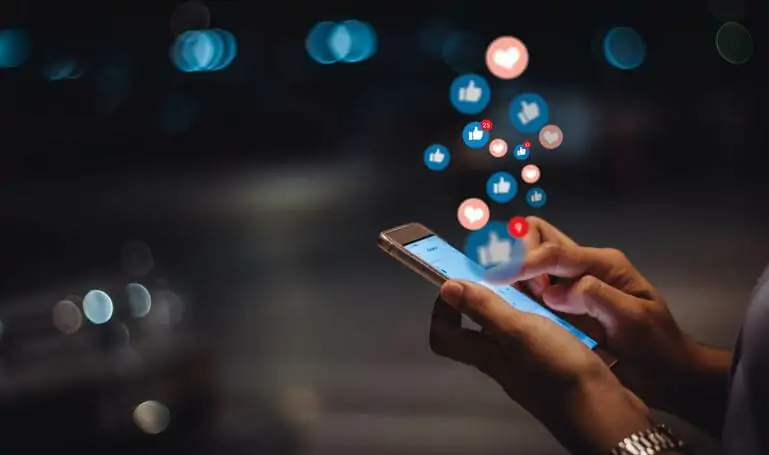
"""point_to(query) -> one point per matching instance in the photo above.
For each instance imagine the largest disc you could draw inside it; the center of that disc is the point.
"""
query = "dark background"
(288, 332)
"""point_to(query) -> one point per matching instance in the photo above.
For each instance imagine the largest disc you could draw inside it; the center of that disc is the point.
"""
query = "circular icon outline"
(469, 203)
(433, 165)
(472, 81)
(531, 101)
(506, 48)
(530, 194)
(548, 129)
(492, 147)
(500, 178)
(473, 127)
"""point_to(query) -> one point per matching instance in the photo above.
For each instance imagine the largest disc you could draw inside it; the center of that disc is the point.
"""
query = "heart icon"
(530, 173)
(551, 137)
(473, 214)
(498, 147)
(507, 58)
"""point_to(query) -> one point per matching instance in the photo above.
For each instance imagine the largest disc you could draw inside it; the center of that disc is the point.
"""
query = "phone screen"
(455, 265)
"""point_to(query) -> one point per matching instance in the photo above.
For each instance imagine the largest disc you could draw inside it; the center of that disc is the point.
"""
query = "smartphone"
(436, 260)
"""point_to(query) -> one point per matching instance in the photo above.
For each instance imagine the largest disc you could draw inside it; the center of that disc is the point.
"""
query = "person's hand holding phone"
(540, 365)
(655, 358)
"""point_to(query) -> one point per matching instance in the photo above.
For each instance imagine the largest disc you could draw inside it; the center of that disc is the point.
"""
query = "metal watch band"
(651, 441)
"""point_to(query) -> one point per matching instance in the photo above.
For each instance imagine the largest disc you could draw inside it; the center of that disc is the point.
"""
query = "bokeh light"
(348, 42)
(15, 48)
(624, 48)
(136, 258)
(98, 307)
(204, 50)
(167, 309)
(734, 43)
(152, 417)
(61, 69)
(463, 52)
(67, 317)
(139, 299)
(191, 15)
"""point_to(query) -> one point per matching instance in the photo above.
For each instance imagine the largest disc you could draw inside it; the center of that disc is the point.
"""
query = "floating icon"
(473, 214)
(518, 227)
(530, 173)
(551, 137)
(501, 187)
(536, 197)
(498, 148)
(470, 94)
(486, 125)
(493, 245)
(521, 152)
(437, 157)
(507, 57)
(529, 112)
(474, 136)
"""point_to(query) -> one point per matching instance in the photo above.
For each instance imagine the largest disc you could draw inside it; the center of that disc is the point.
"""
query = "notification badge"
(517, 227)
(486, 125)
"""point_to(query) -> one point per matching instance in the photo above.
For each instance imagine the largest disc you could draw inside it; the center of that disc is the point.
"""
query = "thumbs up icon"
(502, 186)
(497, 251)
(437, 156)
(529, 112)
(471, 93)
(475, 135)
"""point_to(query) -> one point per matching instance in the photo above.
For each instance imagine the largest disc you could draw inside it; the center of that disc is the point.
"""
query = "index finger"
(540, 231)
(555, 260)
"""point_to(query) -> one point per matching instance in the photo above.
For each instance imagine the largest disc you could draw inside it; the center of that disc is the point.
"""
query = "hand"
(656, 360)
(540, 365)
(475, 134)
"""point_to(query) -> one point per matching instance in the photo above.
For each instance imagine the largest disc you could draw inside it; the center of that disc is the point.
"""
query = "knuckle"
(616, 256)
(589, 284)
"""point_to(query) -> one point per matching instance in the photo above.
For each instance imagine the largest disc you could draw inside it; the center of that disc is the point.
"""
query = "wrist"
(596, 416)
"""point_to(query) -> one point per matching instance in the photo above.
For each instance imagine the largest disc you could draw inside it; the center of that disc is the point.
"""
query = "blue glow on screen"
(453, 264)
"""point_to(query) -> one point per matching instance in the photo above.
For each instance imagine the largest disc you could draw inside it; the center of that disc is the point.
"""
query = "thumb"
(471, 84)
(493, 237)
(481, 305)
(592, 297)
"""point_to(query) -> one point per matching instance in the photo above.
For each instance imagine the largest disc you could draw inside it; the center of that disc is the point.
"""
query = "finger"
(592, 297)
(481, 305)
(448, 339)
(566, 262)
(538, 285)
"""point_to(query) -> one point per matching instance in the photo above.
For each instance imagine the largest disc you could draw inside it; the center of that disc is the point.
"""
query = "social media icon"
(530, 174)
(470, 94)
(498, 148)
(551, 137)
(473, 214)
(501, 187)
(493, 245)
(437, 157)
(536, 197)
(507, 57)
(521, 153)
(474, 136)
(518, 227)
(486, 125)
(529, 112)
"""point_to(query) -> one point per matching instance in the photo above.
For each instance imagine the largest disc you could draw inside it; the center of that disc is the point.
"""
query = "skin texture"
(587, 407)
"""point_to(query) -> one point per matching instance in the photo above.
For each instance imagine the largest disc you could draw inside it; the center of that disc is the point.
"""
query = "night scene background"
(189, 221)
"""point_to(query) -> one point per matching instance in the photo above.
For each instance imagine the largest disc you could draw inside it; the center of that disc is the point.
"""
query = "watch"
(651, 441)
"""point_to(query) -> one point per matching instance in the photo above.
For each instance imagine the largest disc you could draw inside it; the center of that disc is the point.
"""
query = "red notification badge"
(517, 227)
(486, 125)
(527, 144)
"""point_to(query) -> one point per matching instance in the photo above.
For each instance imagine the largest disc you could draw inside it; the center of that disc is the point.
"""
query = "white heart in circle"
(507, 58)
(498, 147)
(551, 136)
(473, 214)
(531, 174)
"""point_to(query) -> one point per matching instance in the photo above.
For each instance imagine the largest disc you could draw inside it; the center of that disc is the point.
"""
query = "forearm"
(699, 393)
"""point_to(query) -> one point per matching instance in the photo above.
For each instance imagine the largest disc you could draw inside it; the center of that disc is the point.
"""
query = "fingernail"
(451, 292)
(503, 273)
